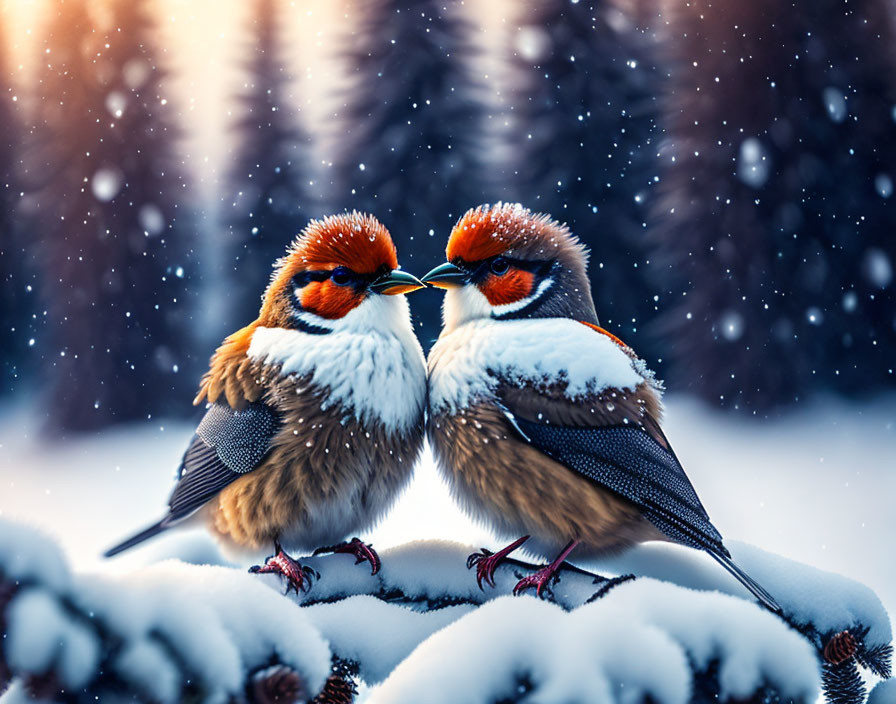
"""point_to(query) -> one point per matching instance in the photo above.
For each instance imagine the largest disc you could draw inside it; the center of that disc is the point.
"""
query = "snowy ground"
(816, 486)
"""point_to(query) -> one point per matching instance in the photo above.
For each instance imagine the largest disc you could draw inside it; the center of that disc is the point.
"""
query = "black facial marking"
(500, 265)
(303, 278)
(340, 276)
(310, 328)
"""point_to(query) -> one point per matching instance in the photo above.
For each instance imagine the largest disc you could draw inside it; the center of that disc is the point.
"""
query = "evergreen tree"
(779, 203)
(271, 205)
(583, 147)
(59, 171)
(15, 323)
(410, 154)
(114, 237)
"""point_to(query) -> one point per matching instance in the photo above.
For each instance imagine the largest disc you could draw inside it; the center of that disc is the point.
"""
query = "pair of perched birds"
(544, 424)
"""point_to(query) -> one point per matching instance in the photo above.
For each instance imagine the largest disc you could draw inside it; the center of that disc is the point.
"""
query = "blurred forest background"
(731, 165)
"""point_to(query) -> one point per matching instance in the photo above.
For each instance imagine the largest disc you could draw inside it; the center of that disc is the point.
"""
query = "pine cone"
(340, 687)
(840, 648)
(278, 683)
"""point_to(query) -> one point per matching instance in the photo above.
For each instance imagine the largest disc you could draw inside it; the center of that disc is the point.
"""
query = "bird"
(314, 411)
(544, 424)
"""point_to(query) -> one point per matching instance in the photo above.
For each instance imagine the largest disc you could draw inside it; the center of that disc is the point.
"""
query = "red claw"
(543, 577)
(298, 577)
(539, 580)
(362, 552)
(487, 562)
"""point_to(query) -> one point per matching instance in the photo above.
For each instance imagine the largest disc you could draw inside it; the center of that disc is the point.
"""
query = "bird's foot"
(487, 562)
(362, 552)
(298, 576)
(541, 580)
(547, 575)
(608, 583)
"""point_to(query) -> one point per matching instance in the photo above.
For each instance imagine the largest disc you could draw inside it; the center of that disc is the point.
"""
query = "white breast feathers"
(371, 363)
(465, 365)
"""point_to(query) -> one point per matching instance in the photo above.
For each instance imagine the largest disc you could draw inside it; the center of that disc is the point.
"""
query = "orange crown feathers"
(356, 240)
(505, 228)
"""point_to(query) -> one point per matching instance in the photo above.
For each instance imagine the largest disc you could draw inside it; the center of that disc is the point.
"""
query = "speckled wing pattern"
(630, 462)
(227, 444)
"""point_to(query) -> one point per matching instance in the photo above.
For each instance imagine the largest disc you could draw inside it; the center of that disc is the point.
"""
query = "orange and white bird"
(314, 410)
(544, 424)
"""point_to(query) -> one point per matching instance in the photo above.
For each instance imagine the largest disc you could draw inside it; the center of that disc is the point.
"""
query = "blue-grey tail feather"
(144, 534)
(766, 599)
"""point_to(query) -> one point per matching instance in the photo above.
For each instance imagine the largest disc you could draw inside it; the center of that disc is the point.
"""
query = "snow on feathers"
(464, 364)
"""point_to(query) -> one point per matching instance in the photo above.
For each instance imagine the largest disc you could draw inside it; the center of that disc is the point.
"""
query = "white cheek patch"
(508, 309)
(462, 304)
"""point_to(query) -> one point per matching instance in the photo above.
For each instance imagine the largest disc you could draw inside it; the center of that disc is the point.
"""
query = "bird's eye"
(499, 266)
(341, 276)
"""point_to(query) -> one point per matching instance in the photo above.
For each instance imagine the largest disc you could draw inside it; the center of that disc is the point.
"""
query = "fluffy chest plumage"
(375, 375)
(467, 364)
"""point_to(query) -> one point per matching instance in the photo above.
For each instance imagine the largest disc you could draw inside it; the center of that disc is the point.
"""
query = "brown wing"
(614, 440)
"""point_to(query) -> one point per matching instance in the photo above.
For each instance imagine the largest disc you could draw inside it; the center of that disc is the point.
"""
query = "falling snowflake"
(106, 183)
(753, 163)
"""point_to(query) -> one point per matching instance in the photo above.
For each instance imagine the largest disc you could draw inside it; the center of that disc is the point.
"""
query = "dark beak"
(396, 282)
(446, 276)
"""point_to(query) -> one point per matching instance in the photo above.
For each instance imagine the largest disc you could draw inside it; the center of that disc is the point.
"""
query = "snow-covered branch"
(715, 644)
(171, 632)
(422, 630)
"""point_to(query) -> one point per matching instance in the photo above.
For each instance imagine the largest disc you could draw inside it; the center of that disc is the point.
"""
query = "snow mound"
(729, 644)
(883, 693)
(828, 601)
(428, 574)
(25, 554)
(644, 639)
(166, 632)
(41, 636)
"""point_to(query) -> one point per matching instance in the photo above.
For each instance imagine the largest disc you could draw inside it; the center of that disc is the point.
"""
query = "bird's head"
(336, 273)
(506, 263)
